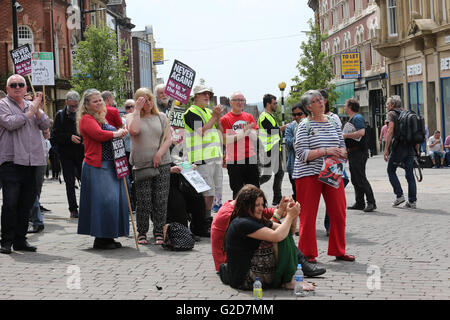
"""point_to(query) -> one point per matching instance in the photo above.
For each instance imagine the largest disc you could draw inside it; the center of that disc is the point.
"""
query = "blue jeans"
(36, 214)
(408, 162)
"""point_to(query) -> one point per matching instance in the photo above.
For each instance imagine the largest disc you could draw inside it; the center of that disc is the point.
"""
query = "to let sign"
(180, 82)
(120, 158)
(351, 65)
(21, 58)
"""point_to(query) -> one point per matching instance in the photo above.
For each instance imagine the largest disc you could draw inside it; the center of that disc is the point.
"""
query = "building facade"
(414, 36)
(144, 40)
(350, 26)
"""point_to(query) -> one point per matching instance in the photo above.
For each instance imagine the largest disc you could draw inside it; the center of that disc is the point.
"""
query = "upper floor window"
(25, 36)
(392, 17)
(444, 10)
(432, 9)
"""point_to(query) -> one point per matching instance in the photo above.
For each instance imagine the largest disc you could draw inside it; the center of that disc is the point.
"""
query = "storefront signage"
(445, 63)
(351, 65)
(414, 70)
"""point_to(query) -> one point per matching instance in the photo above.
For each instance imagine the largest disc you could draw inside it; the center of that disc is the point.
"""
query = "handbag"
(145, 173)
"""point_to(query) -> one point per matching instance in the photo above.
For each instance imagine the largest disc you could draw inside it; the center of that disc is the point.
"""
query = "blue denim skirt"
(103, 211)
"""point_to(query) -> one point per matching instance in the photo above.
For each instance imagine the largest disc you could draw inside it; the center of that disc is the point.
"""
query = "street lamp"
(282, 86)
(16, 7)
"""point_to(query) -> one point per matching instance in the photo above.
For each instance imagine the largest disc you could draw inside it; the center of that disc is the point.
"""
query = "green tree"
(98, 64)
(314, 67)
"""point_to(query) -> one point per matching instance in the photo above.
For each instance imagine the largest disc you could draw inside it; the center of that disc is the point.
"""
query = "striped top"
(321, 135)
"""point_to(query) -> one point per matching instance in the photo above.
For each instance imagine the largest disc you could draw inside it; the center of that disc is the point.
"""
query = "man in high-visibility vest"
(203, 134)
(270, 155)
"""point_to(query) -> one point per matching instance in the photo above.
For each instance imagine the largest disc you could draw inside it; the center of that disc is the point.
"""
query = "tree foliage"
(314, 67)
(98, 65)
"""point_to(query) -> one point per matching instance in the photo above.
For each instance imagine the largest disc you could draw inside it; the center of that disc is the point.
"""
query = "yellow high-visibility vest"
(268, 140)
(208, 146)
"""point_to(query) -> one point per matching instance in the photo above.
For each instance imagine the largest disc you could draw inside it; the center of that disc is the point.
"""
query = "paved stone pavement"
(400, 254)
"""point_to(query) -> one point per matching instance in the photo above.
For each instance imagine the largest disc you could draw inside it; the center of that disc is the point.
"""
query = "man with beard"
(163, 101)
(70, 147)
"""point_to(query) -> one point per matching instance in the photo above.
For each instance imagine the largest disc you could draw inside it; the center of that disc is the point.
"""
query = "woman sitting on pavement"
(249, 243)
(316, 139)
(103, 203)
(220, 225)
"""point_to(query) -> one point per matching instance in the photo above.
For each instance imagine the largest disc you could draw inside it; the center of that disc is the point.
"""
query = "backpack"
(308, 125)
(177, 237)
(411, 128)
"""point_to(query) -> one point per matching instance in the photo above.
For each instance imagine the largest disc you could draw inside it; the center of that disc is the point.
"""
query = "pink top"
(447, 142)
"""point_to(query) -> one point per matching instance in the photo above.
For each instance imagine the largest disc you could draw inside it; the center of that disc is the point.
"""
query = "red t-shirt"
(113, 117)
(232, 124)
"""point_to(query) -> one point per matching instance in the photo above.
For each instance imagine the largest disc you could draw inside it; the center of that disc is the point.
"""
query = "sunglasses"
(297, 114)
(129, 107)
(14, 85)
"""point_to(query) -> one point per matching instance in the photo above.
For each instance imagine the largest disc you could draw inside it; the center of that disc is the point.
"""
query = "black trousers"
(242, 174)
(180, 205)
(277, 168)
(71, 169)
(357, 164)
(19, 193)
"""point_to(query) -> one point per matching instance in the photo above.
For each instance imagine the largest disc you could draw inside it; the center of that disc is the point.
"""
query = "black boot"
(309, 269)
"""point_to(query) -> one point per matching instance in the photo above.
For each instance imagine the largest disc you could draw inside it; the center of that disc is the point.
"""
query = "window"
(432, 9)
(444, 11)
(392, 17)
(25, 36)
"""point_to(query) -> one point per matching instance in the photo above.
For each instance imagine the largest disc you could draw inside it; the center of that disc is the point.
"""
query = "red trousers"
(309, 190)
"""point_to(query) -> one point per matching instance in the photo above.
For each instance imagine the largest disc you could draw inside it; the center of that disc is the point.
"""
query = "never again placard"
(21, 58)
(180, 83)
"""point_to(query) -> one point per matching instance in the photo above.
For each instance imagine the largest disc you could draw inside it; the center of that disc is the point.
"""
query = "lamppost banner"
(21, 58)
(180, 82)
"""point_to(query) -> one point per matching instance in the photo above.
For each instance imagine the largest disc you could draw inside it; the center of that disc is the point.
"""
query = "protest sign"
(21, 58)
(176, 124)
(193, 177)
(120, 158)
(42, 69)
(180, 82)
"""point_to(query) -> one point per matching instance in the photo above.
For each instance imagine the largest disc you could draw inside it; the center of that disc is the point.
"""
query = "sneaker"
(410, 205)
(398, 201)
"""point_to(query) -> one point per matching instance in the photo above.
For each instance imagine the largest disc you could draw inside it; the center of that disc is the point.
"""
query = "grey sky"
(235, 45)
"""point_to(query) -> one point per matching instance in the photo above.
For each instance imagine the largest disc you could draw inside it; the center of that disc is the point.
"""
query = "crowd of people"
(249, 238)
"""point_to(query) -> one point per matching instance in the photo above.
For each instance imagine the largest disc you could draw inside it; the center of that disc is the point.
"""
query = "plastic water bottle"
(257, 289)
(298, 288)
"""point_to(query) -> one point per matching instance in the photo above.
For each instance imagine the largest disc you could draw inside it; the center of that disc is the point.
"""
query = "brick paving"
(400, 254)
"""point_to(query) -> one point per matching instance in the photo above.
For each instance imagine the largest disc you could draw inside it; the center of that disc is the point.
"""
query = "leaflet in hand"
(193, 177)
(332, 171)
(350, 128)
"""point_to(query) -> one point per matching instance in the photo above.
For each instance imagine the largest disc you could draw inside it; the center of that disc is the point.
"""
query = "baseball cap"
(201, 88)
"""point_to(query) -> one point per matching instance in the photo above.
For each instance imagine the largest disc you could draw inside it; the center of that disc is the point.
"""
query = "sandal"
(142, 239)
(159, 239)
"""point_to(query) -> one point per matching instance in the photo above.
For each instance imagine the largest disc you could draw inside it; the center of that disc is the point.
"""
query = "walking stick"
(131, 212)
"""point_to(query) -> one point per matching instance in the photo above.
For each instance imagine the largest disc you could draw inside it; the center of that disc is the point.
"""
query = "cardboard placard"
(42, 69)
(120, 158)
(180, 83)
(21, 58)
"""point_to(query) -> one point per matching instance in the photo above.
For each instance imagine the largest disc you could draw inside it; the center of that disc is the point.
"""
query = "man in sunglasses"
(21, 153)
(298, 114)
(69, 146)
